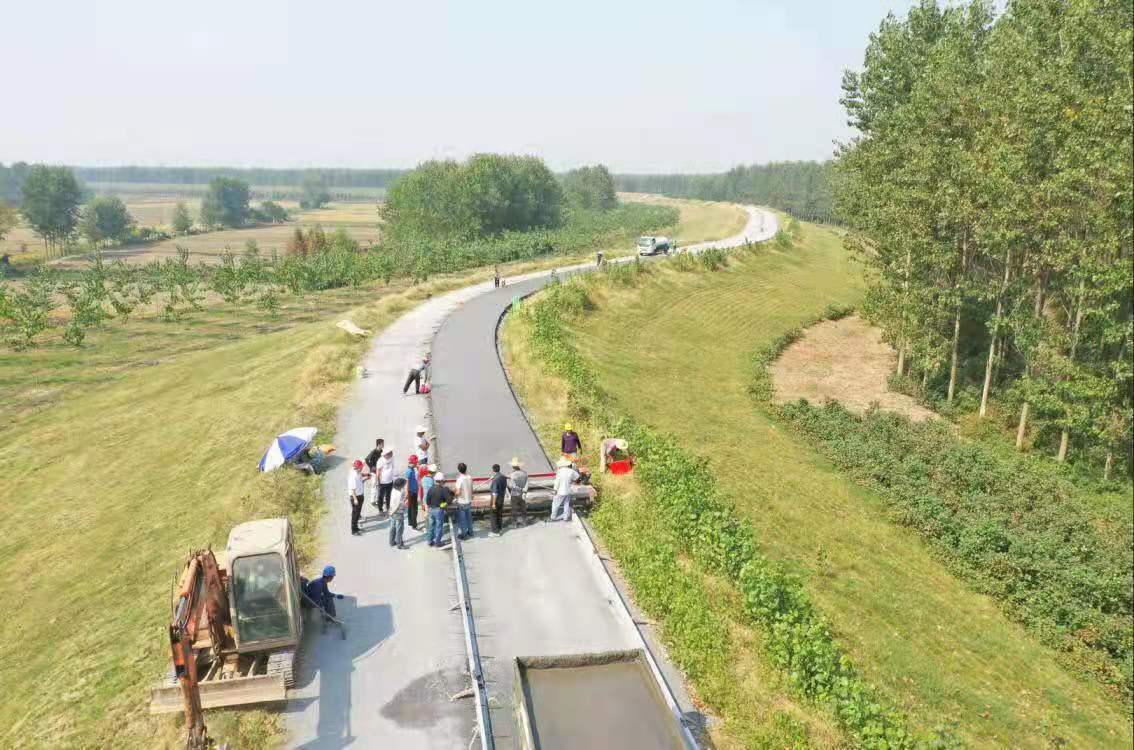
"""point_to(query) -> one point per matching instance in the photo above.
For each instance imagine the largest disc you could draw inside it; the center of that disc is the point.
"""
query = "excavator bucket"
(238, 691)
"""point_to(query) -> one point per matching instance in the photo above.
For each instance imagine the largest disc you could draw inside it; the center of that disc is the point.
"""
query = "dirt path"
(843, 360)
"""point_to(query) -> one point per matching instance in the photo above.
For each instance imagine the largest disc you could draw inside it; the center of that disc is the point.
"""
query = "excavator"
(234, 629)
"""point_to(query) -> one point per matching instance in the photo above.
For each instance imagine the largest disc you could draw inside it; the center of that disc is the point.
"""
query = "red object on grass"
(623, 466)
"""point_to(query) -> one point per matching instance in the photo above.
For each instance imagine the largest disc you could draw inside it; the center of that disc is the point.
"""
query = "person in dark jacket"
(438, 501)
(570, 443)
(373, 456)
(410, 476)
(320, 594)
(498, 486)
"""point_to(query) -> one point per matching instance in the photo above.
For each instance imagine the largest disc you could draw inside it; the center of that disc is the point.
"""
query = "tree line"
(255, 176)
(57, 208)
(801, 188)
(988, 191)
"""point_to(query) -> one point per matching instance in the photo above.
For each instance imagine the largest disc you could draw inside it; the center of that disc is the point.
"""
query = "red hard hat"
(357, 464)
(413, 459)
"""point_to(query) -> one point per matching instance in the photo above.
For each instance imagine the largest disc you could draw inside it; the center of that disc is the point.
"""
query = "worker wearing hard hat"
(319, 592)
(565, 477)
(356, 489)
(437, 500)
(570, 443)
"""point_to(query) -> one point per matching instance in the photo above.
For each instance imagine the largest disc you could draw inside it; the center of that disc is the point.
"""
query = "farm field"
(180, 412)
(700, 220)
(188, 190)
(674, 353)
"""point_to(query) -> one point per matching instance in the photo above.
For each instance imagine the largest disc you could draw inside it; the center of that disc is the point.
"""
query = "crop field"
(182, 190)
(700, 220)
(674, 352)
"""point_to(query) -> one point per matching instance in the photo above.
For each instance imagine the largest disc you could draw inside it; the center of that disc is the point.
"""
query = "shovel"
(327, 615)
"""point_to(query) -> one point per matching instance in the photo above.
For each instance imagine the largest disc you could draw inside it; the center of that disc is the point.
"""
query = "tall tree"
(590, 188)
(51, 200)
(182, 220)
(105, 218)
(225, 203)
(9, 218)
(314, 191)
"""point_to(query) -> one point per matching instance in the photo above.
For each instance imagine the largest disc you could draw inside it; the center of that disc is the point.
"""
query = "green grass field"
(127, 452)
(674, 352)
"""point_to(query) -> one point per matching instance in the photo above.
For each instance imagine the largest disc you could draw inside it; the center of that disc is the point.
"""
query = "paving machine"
(235, 628)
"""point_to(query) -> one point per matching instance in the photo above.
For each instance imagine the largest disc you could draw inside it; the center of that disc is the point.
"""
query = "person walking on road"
(399, 498)
(438, 501)
(496, 276)
(570, 443)
(418, 373)
(464, 502)
(385, 480)
(517, 486)
(356, 492)
(498, 486)
(565, 477)
(410, 477)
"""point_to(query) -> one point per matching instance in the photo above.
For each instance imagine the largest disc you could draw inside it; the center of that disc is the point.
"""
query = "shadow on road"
(327, 664)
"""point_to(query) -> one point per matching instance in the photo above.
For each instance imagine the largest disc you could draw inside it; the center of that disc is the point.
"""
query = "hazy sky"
(641, 86)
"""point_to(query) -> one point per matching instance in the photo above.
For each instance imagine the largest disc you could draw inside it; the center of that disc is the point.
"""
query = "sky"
(639, 86)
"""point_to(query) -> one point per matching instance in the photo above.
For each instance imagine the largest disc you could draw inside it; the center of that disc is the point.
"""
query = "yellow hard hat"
(567, 427)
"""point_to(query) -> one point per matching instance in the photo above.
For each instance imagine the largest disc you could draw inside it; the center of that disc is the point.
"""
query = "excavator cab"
(264, 586)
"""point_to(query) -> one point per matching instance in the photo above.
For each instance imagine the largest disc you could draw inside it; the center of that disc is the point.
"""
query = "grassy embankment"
(124, 454)
(675, 354)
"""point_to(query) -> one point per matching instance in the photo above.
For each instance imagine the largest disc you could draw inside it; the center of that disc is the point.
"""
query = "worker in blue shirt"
(319, 591)
(411, 491)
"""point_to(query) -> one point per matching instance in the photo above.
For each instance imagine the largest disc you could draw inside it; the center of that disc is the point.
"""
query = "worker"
(421, 444)
(373, 456)
(497, 485)
(598, 259)
(419, 371)
(410, 475)
(319, 592)
(569, 442)
(496, 276)
(385, 480)
(464, 502)
(565, 477)
(517, 486)
(438, 501)
(399, 497)
(355, 491)
(426, 480)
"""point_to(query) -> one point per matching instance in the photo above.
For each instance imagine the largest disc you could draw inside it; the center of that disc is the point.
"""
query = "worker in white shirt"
(385, 480)
(355, 490)
(464, 502)
(421, 444)
(418, 373)
(565, 477)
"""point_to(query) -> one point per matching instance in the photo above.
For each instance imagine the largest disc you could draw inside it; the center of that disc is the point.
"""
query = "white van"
(653, 245)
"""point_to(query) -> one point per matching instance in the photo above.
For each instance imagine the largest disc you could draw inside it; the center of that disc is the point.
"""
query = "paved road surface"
(535, 590)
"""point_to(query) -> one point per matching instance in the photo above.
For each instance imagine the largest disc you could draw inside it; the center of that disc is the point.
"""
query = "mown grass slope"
(675, 354)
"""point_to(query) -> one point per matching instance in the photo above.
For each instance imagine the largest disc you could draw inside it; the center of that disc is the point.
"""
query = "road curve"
(535, 590)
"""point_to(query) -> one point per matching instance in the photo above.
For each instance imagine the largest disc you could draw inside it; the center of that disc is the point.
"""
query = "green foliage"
(51, 198)
(271, 212)
(105, 218)
(1015, 533)
(590, 188)
(9, 218)
(487, 195)
(314, 191)
(12, 182)
(182, 220)
(802, 188)
(25, 310)
(713, 259)
(225, 203)
(702, 525)
(988, 195)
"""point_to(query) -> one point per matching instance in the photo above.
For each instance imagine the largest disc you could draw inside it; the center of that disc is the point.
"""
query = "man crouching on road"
(319, 594)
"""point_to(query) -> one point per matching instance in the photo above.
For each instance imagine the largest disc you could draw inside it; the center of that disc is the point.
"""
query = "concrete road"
(535, 590)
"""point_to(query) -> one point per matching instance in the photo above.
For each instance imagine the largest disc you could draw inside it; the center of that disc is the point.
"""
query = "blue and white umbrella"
(286, 446)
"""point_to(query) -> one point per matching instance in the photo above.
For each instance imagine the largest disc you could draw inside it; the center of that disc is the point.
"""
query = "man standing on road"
(421, 444)
(399, 497)
(426, 478)
(419, 371)
(464, 502)
(385, 480)
(517, 486)
(498, 485)
(565, 477)
(570, 442)
(355, 490)
(373, 456)
(410, 477)
(437, 501)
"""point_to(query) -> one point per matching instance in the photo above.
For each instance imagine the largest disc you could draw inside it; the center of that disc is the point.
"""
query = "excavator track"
(282, 664)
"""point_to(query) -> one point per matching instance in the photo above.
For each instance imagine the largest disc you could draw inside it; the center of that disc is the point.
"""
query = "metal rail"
(480, 690)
